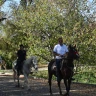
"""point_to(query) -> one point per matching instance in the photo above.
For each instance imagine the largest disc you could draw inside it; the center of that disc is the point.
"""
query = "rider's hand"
(62, 56)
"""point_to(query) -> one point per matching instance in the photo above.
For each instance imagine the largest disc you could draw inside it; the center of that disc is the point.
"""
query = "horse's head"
(73, 52)
(14, 63)
(34, 63)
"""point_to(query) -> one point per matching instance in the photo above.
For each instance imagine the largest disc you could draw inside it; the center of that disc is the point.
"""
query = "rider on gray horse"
(21, 54)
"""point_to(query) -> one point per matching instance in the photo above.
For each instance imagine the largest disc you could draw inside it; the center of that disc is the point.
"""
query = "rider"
(60, 50)
(21, 56)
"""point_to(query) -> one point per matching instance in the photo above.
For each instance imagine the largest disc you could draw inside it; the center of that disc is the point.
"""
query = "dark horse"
(66, 69)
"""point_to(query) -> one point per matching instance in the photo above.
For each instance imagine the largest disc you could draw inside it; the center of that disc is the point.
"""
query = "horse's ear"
(75, 46)
(70, 46)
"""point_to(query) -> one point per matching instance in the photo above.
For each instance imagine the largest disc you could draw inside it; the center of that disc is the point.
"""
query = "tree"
(24, 3)
(1, 3)
(38, 28)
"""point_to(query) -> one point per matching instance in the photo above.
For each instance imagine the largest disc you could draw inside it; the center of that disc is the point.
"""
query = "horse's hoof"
(29, 89)
(66, 94)
(22, 87)
(51, 93)
(17, 86)
(60, 93)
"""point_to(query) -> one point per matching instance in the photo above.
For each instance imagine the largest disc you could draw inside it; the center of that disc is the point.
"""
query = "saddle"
(55, 68)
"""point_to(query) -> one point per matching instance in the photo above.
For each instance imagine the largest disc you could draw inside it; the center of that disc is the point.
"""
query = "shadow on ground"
(39, 87)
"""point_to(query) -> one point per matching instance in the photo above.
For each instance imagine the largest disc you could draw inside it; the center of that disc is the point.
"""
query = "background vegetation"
(38, 24)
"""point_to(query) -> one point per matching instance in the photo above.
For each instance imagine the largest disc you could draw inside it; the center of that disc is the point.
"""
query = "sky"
(6, 7)
(7, 10)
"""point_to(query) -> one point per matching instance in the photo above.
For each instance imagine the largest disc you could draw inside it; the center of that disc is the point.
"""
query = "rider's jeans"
(58, 72)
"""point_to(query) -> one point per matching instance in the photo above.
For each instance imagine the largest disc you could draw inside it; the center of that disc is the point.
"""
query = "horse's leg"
(26, 80)
(18, 78)
(66, 85)
(18, 82)
(59, 87)
(49, 81)
(59, 80)
(69, 83)
(14, 75)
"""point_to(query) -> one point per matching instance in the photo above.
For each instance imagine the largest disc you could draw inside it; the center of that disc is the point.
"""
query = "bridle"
(67, 59)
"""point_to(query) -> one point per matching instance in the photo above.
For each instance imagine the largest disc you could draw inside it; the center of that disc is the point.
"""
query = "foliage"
(38, 27)
(86, 77)
(2, 2)
(85, 74)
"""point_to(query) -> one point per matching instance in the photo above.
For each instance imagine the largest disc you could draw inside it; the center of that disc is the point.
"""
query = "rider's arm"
(65, 55)
(56, 54)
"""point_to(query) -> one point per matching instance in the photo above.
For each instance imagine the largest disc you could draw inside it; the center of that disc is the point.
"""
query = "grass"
(84, 77)
(43, 74)
(88, 77)
(6, 71)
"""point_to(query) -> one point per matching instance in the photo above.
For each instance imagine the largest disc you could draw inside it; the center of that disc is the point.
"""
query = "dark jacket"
(21, 55)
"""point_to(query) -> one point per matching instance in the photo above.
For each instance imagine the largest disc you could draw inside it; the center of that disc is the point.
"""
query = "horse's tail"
(50, 69)
(51, 62)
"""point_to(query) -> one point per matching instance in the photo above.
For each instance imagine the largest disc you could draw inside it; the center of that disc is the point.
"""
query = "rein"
(66, 58)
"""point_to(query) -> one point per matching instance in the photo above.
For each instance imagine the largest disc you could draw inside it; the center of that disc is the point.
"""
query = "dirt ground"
(39, 87)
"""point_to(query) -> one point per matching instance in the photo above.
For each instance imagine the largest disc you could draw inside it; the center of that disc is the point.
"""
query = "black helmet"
(21, 45)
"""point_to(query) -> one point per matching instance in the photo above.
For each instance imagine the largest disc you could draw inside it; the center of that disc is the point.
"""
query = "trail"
(39, 87)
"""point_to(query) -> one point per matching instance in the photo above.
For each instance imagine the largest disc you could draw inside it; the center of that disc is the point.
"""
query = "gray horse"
(26, 69)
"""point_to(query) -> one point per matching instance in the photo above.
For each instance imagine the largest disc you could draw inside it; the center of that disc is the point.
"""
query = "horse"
(66, 71)
(26, 69)
(3, 64)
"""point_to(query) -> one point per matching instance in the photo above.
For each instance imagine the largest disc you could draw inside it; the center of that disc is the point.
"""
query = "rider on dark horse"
(60, 50)
(21, 54)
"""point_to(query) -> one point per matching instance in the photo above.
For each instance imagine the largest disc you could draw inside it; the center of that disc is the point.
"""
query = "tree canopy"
(39, 25)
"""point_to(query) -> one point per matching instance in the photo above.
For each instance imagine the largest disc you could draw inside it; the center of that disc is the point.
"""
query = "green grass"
(83, 77)
(43, 74)
(6, 71)
(88, 77)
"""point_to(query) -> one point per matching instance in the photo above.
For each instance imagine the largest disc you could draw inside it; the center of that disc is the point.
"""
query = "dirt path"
(39, 87)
